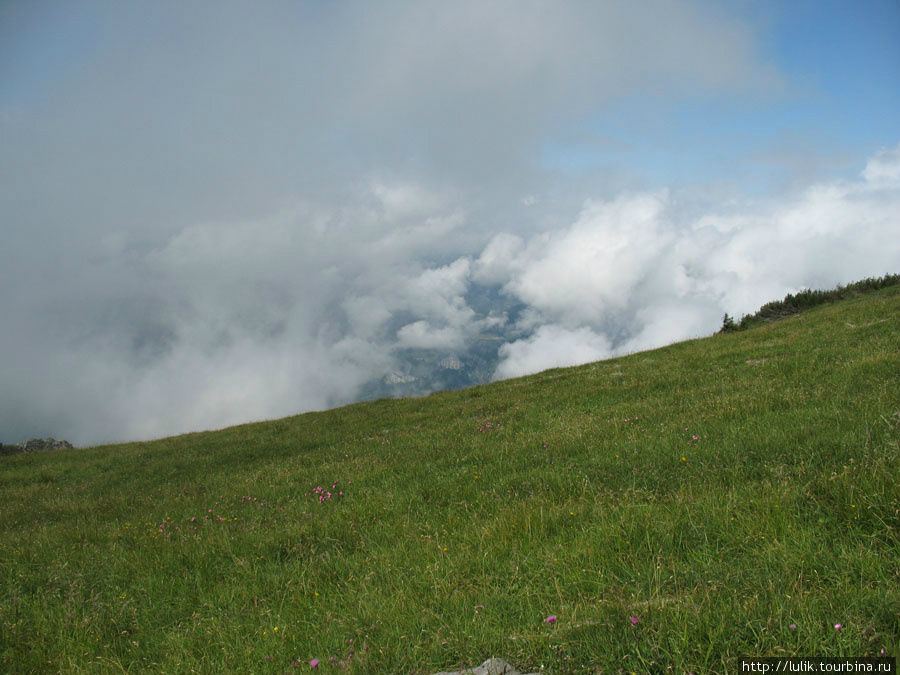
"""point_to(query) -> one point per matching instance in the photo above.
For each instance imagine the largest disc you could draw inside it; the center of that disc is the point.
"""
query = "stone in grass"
(489, 667)
(41, 444)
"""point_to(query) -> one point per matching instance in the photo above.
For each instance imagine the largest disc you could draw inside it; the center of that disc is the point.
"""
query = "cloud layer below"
(218, 214)
(627, 275)
(233, 321)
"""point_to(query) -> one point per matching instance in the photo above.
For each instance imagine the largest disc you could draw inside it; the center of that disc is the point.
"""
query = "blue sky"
(837, 102)
(840, 102)
(214, 212)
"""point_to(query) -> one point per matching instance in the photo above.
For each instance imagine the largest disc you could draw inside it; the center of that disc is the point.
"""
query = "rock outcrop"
(42, 444)
(451, 363)
(489, 667)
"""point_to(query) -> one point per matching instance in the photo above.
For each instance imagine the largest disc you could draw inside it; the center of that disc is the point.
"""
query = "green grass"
(719, 490)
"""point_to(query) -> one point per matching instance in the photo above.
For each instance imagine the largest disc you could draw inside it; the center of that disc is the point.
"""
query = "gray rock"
(489, 667)
(42, 444)
(399, 378)
(451, 363)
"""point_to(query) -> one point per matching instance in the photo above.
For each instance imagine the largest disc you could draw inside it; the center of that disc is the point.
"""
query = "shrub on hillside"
(728, 324)
(795, 303)
(9, 449)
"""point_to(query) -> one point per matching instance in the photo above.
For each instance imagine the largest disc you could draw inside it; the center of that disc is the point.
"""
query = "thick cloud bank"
(232, 321)
(215, 212)
(630, 273)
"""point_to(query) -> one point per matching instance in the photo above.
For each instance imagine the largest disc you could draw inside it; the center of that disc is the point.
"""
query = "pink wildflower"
(314, 663)
(634, 621)
(551, 619)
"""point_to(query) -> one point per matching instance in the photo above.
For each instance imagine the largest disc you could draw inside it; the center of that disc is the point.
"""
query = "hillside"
(737, 495)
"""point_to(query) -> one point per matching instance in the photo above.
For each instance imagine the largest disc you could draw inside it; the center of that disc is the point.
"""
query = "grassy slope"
(719, 490)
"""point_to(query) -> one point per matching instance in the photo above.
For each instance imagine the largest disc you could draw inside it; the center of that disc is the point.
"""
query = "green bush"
(728, 324)
(9, 449)
(795, 303)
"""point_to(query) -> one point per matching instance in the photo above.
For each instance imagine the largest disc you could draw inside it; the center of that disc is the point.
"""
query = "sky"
(219, 212)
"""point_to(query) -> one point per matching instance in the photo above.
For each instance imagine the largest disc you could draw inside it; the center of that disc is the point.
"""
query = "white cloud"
(200, 230)
(829, 233)
(884, 168)
(420, 335)
(366, 315)
(236, 320)
(229, 321)
(625, 273)
(401, 201)
(672, 321)
(551, 346)
(439, 292)
(585, 271)
(499, 259)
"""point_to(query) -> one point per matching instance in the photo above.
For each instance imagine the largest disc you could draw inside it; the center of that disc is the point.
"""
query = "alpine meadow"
(671, 510)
